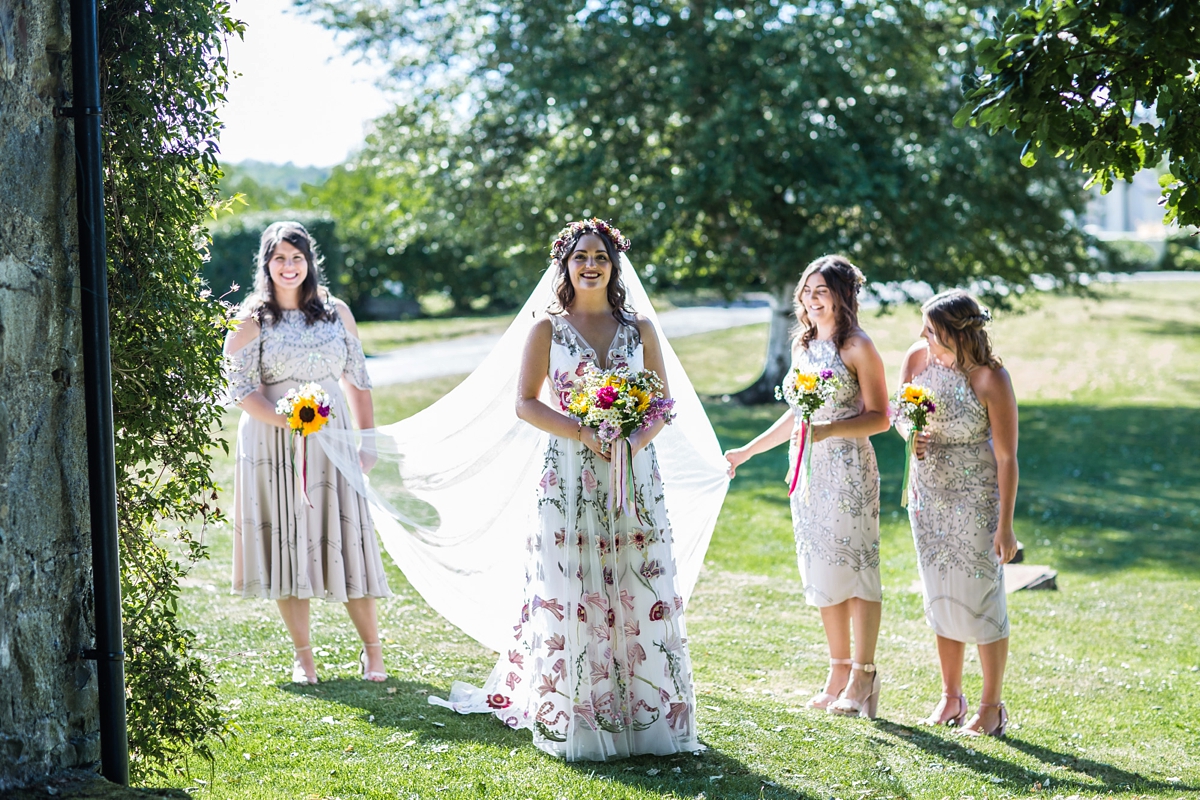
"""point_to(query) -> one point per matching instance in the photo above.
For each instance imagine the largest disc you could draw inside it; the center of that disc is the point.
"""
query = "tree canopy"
(734, 141)
(1112, 85)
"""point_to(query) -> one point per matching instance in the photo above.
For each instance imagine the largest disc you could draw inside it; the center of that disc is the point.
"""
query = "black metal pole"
(102, 471)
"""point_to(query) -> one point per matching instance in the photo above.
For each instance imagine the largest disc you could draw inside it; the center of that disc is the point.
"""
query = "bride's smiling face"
(589, 264)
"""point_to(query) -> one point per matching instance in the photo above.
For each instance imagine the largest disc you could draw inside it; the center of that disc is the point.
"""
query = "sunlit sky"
(299, 98)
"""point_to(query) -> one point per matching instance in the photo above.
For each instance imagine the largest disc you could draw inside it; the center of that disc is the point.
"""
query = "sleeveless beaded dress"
(282, 547)
(954, 510)
(599, 666)
(836, 523)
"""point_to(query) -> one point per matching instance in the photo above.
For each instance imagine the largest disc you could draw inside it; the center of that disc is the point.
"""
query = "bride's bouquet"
(913, 403)
(617, 403)
(806, 392)
(307, 409)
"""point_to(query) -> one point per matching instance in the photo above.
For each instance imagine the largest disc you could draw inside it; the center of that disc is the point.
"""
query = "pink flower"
(556, 642)
(600, 632)
(677, 717)
(549, 684)
(605, 397)
(608, 576)
(515, 657)
(659, 610)
(600, 671)
(610, 617)
(581, 613)
(678, 603)
(498, 700)
(582, 368)
(560, 538)
(636, 654)
(633, 628)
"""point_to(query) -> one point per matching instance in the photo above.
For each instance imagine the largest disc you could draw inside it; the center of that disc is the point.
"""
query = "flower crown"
(569, 235)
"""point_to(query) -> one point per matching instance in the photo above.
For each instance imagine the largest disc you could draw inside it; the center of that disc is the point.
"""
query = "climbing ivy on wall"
(162, 78)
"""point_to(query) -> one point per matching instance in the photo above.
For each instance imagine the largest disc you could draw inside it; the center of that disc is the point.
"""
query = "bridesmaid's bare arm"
(863, 359)
(256, 403)
(994, 388)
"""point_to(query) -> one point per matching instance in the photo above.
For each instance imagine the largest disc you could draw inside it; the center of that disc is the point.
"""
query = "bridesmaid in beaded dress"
(836, 522)
(961, 502)
(292, 331)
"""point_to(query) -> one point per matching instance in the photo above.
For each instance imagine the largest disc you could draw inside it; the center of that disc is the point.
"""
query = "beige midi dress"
(284, 545)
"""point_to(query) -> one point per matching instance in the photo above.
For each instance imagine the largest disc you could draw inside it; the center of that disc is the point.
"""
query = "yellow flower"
(641, 397)
(615, 382)
(305, 417)
(806, 381)
(913, 394)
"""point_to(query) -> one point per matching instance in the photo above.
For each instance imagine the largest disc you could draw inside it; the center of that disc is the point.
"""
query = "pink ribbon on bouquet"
(803, 460)
(620, 494)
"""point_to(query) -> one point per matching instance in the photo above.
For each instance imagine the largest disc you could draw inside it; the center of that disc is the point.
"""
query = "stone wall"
(48, 717)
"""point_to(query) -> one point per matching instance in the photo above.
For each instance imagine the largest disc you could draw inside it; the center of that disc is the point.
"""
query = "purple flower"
(323, 411)
(826, 374)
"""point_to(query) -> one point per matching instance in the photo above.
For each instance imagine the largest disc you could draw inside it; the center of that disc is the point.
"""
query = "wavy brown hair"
(844, 280)
(565, 292)
(960, 323)
(314, 297)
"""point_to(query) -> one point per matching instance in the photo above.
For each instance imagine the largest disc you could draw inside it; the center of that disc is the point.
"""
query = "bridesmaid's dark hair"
(961, 325)
(844, 280)
(565, 292)
(314, 297)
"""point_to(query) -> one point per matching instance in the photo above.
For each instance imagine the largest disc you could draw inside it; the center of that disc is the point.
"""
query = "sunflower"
(913, 394)
(306, 417)
(641, 397)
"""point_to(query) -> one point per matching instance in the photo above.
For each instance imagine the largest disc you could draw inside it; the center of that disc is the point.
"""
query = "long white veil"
(454, 491)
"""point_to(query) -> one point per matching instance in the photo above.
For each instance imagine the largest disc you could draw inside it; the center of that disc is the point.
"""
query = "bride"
(502, 520)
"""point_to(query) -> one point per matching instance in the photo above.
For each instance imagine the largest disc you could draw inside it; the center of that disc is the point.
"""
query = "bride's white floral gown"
(599, 666)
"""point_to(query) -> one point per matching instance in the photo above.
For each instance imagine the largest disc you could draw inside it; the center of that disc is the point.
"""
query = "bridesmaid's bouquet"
(617, 403)
(913, 403)
(806, 392)
(307, 409)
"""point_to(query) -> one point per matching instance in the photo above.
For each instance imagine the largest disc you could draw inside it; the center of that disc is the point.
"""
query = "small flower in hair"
(569, 235)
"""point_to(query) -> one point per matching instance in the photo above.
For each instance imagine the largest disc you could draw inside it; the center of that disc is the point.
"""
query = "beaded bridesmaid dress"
(836, 522)
(599, 666)
(282, 546)
(954, 510)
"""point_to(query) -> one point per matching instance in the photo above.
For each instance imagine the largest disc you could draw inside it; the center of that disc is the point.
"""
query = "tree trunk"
(779, 352)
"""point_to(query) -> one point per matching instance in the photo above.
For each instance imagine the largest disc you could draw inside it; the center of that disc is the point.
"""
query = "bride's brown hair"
(960, 324)
(564, 292)
(844, 280)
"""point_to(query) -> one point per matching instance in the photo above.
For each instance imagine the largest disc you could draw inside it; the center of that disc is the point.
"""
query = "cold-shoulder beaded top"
(836, 522)
(293, 351)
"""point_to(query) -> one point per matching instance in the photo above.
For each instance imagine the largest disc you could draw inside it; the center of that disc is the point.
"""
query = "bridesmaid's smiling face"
(589, 265)
(818, 300)
(288, 267)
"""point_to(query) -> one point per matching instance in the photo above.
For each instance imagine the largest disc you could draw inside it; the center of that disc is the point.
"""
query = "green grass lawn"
(1104, 677)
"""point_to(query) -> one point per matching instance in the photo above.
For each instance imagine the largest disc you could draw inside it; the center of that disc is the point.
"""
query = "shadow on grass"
(407, 709)
(1068, 769)
(1107, 487)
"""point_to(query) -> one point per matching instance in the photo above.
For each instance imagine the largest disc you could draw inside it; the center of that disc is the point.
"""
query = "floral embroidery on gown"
(599, 666)
(836, 524)
(281, 546)
(954, 510)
